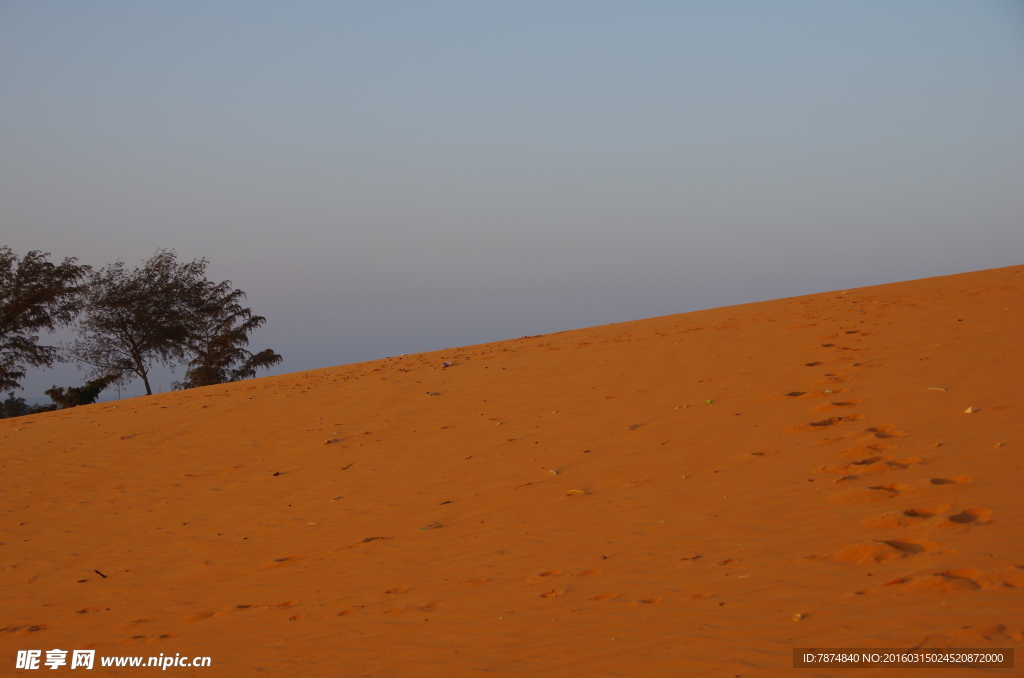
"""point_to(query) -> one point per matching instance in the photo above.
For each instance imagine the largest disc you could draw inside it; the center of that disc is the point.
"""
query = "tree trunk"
(141, 371)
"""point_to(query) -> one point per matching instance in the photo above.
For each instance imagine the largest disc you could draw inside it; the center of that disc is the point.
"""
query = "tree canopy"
(17, 407)
(35, 295)
(134, 319)
(73, 396)
(218, 334)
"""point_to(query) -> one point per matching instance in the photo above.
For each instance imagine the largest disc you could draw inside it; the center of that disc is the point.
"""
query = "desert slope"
(695, 494)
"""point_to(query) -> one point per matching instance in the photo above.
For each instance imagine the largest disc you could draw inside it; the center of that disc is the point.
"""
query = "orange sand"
(654, 498)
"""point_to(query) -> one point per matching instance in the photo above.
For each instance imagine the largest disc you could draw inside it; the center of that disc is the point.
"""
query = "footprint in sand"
(831, 421)
(955, 480)
(911, 546)
(830, 379)
(148, 639)
(905, 518)
(879, 552)
(870, 465)
(972, 516)
(1014, 577)
(281, 562)
(982, 635)
(351, 610)
(950, 581)
(834, 404)
(803, 395)
(869, 494)
(550, 573)
(864, 451)
(925, 513)
(885, 431)
(993, 633)
(831, 441)
(367, 540)
(966, 519)
(24, 630)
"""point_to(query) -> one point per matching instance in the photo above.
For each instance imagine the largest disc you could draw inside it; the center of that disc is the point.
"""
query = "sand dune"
(695, 494)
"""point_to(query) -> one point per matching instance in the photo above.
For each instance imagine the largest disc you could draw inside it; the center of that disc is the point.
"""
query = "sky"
(395, 177)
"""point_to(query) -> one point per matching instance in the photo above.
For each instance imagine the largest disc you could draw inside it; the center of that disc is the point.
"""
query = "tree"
(136, 318)
(17, 407)
(167, 312)
(35, 295)
(74, 396)
(218, 336)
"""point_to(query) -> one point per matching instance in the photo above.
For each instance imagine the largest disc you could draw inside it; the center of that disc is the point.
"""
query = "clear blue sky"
(392, 177)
